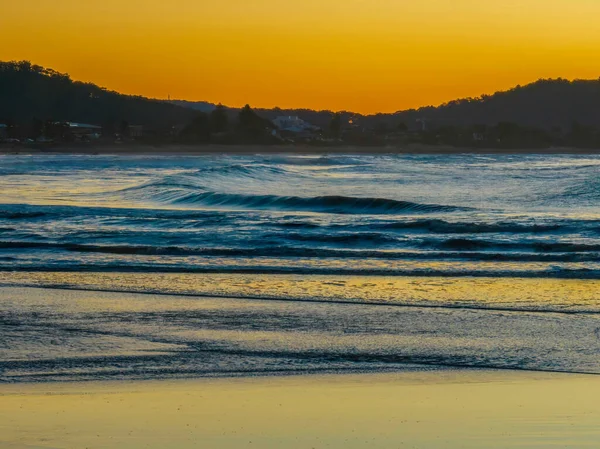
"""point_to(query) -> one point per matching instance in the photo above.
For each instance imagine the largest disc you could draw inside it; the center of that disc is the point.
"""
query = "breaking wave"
(188, 192)
(327, 204)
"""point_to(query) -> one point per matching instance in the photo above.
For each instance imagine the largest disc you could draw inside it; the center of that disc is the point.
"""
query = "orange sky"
(359, 55)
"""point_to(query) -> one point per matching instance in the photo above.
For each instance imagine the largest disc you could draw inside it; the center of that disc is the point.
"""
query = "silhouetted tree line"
(510, 135)
(34, 101)
(31, 93)
(216, 127)
(543, 113)
(543, 104)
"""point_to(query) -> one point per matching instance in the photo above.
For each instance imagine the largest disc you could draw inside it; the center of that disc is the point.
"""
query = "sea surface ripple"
(277, 263)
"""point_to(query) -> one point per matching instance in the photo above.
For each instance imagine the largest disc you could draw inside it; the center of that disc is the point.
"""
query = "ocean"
(153, 266)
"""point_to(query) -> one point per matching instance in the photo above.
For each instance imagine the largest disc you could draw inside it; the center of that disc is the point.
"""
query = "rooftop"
(83, 125)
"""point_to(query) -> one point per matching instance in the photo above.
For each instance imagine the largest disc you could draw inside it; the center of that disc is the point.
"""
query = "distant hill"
(545, 104)
(29, 91)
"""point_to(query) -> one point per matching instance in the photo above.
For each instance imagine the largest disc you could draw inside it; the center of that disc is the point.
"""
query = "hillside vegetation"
(30, 92)
(553, 112)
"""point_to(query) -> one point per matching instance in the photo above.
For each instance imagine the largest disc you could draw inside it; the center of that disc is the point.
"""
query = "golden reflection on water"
(536, 293)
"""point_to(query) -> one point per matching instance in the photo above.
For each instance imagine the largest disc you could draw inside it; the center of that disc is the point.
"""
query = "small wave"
(296, 225)
(164, 183)
(371, 238)
(248, 170)
(8, 215)
(543, 247)
(326, 204)
(322, 161)
(157, 267)
(446, 227)
(193, 181)
(282, 251)
(23, 212)
(182, 191)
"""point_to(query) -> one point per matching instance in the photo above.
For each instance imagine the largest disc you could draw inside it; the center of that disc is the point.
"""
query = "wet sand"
(436, 409)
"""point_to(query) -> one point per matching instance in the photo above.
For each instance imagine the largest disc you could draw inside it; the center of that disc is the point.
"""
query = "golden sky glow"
(360, 55)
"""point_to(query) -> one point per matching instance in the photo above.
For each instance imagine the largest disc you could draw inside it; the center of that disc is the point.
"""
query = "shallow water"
(61, 335)
(251, 265)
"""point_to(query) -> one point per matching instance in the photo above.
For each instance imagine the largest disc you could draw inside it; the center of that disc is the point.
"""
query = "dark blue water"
(463, 215)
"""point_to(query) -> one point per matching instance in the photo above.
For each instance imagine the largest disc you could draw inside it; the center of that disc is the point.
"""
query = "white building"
(293, 124)
(85, 131)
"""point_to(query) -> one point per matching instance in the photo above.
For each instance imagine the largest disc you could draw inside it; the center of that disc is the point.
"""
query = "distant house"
(293, 124)
(136, 131)
(82, 131)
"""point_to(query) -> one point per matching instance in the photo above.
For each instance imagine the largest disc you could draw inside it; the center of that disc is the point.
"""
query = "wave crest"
(327, 204)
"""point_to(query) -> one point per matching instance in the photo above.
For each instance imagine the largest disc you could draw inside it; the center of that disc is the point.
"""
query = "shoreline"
(124, 283)
(452, 409)
(82, 335)
(417, 374)
(212, 149)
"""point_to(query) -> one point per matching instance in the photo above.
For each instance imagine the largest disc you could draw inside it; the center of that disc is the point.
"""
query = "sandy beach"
(449, 409)
(75, 335)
